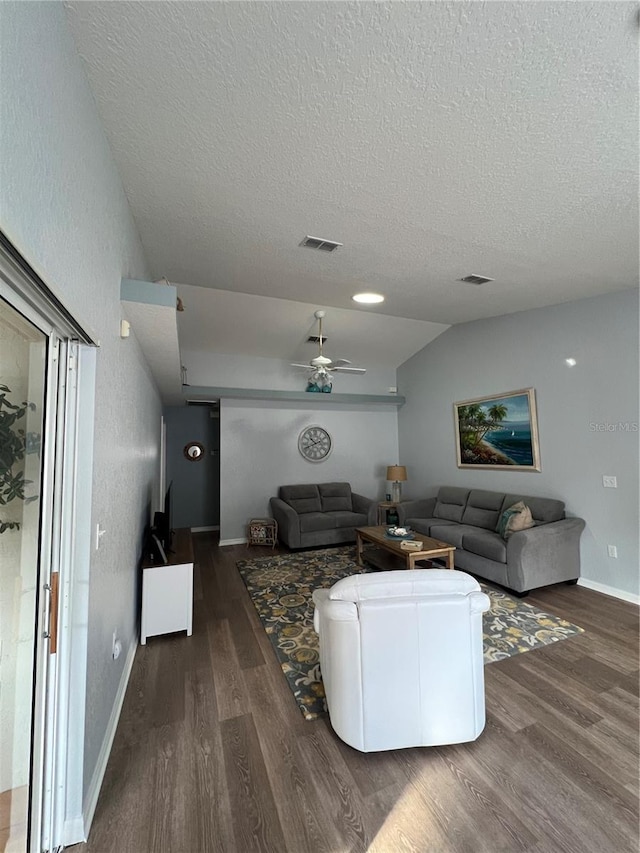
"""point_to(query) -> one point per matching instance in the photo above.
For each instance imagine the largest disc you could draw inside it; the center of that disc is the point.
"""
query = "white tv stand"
(167, 591)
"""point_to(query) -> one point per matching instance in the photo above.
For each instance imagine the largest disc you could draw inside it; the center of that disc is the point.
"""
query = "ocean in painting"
(514, 440)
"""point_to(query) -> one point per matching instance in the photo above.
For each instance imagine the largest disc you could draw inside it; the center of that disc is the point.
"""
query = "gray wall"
(528, 350)
(259, 452)
(195, 489)
(63, 206)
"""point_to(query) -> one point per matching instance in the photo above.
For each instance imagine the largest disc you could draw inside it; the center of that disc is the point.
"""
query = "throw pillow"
(516, 517)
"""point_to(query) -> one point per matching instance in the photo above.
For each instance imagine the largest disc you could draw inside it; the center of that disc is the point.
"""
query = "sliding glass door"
(47, 376)
(24, 359)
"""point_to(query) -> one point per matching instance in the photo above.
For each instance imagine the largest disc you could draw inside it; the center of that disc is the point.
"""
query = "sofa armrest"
(416, 509)
(545, 554)
(367, 506)
(288, 522)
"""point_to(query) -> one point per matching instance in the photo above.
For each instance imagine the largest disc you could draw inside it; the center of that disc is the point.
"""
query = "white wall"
(63, 206)
(528, 350)
(259, 452)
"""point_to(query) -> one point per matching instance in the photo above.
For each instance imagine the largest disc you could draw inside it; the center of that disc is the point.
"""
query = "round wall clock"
(315, 443)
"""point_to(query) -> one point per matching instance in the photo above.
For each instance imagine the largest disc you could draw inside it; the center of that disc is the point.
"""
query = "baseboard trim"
(205, 529)
(610, 590)
(91, 800)
(241, 541)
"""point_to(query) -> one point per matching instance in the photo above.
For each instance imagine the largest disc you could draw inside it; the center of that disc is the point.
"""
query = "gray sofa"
(322, 514)
(467, 518)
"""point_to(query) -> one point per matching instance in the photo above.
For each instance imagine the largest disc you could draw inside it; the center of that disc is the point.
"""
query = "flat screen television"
(162, 523)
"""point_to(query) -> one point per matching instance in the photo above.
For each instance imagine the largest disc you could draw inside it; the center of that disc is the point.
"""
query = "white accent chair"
(402, 659)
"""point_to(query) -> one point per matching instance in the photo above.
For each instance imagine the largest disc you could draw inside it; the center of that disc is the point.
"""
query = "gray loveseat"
(322, 514)
(467, 518)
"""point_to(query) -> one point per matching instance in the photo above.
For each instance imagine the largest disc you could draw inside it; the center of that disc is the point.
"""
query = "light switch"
(609, 481)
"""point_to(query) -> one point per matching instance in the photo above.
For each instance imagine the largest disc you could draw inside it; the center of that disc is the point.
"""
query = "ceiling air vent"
(318, 243)
(476, 279)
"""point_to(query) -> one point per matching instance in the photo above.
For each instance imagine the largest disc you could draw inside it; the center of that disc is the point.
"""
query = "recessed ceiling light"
(368, 298)
(571, 362)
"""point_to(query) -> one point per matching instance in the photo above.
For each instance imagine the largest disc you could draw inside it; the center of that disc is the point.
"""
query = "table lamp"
(397, 474)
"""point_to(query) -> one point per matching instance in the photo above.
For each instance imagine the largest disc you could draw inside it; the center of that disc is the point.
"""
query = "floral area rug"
(281, 588)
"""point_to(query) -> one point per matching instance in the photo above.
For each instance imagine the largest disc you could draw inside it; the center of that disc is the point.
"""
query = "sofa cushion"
(483, 509)
(423, 525)
(543, 510)
(303, 498)
(485, 543)
(311, 521)
(451, 533)
(451, 503)
(342, 518)
(335, 497)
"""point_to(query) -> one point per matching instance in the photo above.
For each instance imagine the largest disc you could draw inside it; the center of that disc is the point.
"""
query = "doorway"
(195, 483)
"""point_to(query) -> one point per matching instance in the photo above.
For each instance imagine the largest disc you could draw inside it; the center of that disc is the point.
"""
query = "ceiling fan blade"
(341, 362)
(349, 369)
(306, 366)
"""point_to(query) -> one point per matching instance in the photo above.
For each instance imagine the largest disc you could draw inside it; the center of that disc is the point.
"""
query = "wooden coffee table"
(431, 548)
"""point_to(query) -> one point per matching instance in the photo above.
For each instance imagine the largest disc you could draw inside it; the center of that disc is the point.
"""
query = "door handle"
(51, 633)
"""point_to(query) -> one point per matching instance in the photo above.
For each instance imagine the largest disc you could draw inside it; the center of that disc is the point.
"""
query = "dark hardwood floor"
(212, 753)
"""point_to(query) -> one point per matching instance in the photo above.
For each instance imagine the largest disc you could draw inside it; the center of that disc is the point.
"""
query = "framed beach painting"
(498, 432)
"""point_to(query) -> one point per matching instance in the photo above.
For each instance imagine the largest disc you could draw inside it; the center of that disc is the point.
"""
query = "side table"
(262, 531)
(384, 508)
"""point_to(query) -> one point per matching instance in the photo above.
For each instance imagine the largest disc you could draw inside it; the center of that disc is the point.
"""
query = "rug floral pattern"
(281, 587)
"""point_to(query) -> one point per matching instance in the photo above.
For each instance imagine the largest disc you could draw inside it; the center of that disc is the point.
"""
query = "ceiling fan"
(320, 368)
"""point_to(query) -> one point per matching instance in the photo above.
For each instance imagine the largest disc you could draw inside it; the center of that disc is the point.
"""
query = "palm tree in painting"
(474, 423)
(498, 412)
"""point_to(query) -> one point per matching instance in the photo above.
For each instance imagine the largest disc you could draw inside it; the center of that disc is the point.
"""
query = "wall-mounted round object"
(194, 451)
(315, 443)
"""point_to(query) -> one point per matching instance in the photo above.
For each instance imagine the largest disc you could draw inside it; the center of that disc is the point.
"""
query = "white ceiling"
(433, 139)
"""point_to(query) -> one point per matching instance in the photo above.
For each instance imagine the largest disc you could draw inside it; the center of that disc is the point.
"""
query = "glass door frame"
(56, 670)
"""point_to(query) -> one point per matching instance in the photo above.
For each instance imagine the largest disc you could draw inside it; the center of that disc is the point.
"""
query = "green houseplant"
(13, 447)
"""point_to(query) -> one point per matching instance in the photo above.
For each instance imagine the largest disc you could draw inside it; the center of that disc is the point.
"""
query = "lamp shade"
(397, 473)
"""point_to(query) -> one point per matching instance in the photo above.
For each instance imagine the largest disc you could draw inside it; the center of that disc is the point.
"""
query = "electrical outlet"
(612, 551)
(609, 482)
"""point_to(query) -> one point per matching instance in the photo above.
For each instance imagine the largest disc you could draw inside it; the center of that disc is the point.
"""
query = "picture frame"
(498, 432)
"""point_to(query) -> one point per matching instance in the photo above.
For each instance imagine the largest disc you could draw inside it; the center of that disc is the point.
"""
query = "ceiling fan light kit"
(321, 367)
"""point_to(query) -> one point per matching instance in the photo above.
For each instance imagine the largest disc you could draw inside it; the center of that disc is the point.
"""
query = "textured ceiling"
(433, 139)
